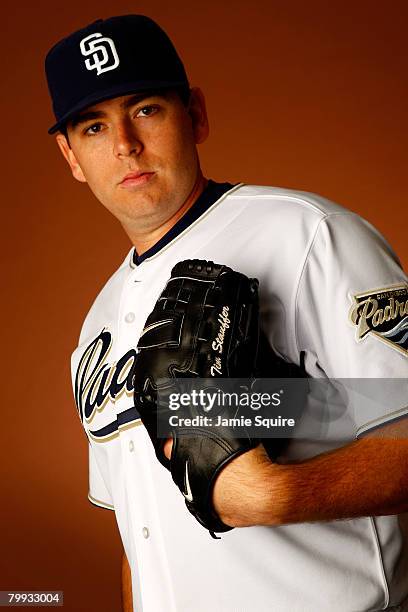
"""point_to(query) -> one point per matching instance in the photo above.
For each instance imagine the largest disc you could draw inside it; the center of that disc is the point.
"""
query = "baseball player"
(321, 528)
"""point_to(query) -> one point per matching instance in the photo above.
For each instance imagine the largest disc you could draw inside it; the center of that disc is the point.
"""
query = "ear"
(198, 114)
(70, 157)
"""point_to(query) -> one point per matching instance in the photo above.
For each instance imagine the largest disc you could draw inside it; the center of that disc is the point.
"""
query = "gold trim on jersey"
(116, 433)
(99, 503)
(386, 419)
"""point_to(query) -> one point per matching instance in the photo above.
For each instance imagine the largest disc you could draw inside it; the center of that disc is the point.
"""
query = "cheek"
(97, 172)
(179, 147)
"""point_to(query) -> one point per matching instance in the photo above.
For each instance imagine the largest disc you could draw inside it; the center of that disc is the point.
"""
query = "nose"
(126, 141)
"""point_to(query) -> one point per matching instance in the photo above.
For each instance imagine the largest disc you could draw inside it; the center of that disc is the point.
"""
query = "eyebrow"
(91, 115)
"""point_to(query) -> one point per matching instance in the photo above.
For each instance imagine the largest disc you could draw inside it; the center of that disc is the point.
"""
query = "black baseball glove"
(204, 325)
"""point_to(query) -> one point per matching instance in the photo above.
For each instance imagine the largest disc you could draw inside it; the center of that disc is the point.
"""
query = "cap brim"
(118, 90)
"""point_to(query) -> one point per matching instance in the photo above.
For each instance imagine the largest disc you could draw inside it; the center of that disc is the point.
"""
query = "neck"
(144, 243)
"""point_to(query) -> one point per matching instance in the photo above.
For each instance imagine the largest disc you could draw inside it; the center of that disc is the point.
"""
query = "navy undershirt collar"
(211, 194)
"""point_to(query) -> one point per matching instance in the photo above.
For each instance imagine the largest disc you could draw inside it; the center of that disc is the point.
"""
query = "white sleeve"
(98, 492)
(352, 311)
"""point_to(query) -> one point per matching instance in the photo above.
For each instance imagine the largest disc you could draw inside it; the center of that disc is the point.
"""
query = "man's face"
(138, 154)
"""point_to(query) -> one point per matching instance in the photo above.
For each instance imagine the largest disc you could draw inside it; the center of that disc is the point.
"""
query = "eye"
(93, 129)
(146, 111)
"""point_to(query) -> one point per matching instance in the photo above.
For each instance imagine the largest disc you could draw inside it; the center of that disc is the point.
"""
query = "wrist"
(251, 490)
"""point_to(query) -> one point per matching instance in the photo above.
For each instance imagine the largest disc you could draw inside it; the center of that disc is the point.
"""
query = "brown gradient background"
(309, 95)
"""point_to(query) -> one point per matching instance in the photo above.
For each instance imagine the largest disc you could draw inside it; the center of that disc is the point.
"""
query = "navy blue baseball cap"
(109, 58)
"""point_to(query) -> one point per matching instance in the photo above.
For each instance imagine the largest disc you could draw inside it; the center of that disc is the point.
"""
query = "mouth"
(133, 179)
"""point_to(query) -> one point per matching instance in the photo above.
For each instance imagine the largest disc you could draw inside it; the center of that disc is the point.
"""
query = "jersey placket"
(137, 453)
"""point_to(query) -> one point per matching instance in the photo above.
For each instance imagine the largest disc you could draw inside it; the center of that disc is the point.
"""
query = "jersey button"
(130, 317)
(131, 446)
(145, 532)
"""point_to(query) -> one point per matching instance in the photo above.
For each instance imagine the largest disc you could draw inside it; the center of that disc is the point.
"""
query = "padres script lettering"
(367, 315)
(97, 382)
(218, 343)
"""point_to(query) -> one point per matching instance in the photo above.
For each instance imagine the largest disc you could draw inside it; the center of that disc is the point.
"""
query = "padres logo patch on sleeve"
(382, 313)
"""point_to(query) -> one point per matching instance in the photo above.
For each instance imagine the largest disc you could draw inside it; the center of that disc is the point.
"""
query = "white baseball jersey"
(326, 280)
